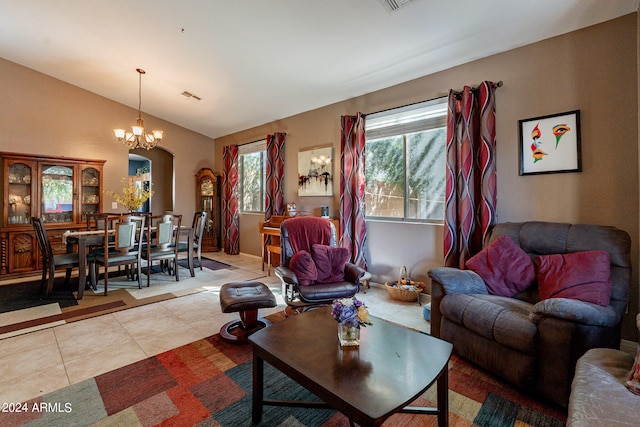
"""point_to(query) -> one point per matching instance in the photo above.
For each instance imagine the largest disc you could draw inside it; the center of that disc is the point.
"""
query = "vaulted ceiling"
(255, 61)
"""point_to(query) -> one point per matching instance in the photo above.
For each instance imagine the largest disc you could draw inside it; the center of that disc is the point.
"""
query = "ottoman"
(245, 298)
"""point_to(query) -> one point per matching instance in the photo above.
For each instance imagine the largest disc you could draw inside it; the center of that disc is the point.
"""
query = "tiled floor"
(43, 361)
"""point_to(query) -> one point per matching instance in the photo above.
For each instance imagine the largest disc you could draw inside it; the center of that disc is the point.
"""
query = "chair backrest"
(43, 239)
(97, 221)
(198, 224)
(167, 230)
(128, 232)
(304, 231)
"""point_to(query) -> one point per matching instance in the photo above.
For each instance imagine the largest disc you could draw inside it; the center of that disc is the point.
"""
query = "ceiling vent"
(393, 5)
(190, 95)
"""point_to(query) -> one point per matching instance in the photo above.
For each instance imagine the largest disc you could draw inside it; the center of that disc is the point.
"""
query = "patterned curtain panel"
(470, 200)
(352, 185)
(231, 231)
(274, 203)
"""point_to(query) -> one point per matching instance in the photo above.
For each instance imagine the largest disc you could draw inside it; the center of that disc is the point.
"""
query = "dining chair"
(162, 243)
(97, 221)
(51, 262)
(126, 248)
(198, 224)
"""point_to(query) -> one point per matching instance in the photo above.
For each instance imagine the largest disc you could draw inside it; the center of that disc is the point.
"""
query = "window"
(252, 160)
(405, 159)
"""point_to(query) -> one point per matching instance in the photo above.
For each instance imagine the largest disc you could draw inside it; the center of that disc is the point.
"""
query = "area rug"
(18, 296)
(208, 383)
(123, 294)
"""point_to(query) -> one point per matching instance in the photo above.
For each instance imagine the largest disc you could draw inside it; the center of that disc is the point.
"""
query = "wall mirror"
(315, 172)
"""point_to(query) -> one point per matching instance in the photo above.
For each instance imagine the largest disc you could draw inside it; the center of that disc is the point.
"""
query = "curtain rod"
(494, 85)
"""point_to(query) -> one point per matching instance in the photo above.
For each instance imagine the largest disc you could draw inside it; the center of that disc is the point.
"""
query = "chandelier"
(138, 138)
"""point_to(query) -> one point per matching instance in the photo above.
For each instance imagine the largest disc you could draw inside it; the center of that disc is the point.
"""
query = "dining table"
(84, 239)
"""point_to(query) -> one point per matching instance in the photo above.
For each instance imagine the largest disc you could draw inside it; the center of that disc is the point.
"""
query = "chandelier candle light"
(138, 138)
(351, 314)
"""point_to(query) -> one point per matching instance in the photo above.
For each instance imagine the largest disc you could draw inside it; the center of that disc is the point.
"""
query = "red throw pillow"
(330, 262)
(504, 266)
(301, 263)
(585, 276)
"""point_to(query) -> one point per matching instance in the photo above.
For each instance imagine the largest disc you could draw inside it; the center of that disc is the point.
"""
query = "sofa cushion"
(585, 276)
(330, 262)
(504, 266)
(301, 263)
(501, 319)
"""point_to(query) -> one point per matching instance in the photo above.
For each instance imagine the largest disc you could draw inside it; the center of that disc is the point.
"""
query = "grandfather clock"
(207, 199)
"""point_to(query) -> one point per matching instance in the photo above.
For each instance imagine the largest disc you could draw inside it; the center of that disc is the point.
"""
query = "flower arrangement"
(351, 312)
(133, 197)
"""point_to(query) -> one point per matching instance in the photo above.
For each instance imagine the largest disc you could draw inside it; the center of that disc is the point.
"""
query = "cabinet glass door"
(90, 192)
(57, 193)
(19, 178)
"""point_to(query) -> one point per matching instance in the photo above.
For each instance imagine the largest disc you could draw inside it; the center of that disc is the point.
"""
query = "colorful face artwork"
(537, 152)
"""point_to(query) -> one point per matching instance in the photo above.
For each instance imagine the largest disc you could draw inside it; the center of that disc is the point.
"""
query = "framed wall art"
(550, 144)
(315, 172)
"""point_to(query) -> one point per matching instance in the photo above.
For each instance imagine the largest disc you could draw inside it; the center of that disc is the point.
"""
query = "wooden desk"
(268, 232)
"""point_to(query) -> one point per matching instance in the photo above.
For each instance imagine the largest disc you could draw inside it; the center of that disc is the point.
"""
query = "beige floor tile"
(20, 343)
(33, 383)
(76, 341)
(138, 314)
(156, 326)
(106, 359)
(166, 340)
(31, 330)
(16, 365)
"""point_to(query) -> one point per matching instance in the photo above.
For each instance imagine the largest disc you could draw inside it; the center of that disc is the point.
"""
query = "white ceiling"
(256, 61)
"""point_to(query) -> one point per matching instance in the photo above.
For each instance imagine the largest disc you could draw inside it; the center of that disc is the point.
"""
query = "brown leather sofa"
(530, 343)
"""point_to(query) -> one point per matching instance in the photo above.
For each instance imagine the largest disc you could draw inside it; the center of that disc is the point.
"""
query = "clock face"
(206, 188)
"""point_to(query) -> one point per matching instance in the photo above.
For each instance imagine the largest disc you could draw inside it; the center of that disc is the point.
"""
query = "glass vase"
(349, 336)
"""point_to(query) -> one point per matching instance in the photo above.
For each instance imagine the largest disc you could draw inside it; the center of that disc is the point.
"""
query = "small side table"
(365, 280)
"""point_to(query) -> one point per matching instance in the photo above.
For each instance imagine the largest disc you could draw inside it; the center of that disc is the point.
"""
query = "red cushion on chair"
(330, 262)
(585, 276)
(302, 264)
(504, 266)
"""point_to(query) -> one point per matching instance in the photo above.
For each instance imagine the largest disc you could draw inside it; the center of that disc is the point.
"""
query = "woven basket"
(400, 294)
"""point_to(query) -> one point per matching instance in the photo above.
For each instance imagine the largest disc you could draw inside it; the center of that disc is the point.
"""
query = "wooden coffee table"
(391, 368)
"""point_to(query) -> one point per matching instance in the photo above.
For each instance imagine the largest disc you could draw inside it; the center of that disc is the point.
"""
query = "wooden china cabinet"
(61, 190)
(208, 199)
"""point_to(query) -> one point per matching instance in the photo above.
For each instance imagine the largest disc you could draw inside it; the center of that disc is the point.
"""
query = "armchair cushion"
(504, 266)
(585, 276)
(575, 311)
(304, 267)
(330, 262)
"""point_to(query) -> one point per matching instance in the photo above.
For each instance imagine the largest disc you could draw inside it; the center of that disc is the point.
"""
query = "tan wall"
(593, 70)
(43, 115)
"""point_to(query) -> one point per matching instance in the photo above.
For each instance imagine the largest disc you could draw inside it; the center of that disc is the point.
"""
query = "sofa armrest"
(286, 275)
(456, 281)
(352, 273)
(575, 311)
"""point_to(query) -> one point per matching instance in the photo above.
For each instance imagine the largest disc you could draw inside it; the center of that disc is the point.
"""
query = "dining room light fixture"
(138, 138)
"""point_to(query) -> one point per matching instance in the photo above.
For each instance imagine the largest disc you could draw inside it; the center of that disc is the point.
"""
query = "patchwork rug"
(208, 383)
